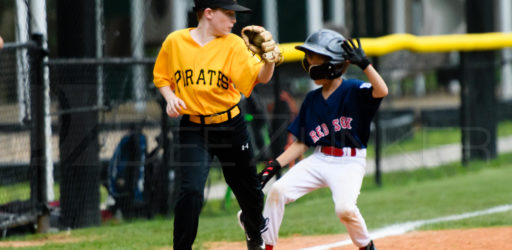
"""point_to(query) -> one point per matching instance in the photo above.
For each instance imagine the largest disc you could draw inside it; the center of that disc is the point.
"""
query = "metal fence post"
(478, 95)
(37, 138)
(378, 150)
(378, 137)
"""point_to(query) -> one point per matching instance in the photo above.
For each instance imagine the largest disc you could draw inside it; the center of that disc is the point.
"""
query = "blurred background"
(83, 135)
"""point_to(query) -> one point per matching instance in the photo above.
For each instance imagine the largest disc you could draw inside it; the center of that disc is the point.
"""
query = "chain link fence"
(95, 105)
(19, 203)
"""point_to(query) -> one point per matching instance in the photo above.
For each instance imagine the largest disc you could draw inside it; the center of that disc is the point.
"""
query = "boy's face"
(222, 21)
(315, 59)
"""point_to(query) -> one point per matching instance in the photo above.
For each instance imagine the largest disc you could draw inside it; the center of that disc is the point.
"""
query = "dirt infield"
(60, 238)
(460, 239)
(465, 239)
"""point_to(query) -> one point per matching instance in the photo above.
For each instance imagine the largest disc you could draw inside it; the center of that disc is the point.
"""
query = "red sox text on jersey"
(322, 130)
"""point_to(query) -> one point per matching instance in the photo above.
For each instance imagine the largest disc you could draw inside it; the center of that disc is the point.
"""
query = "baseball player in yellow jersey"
(200, 72)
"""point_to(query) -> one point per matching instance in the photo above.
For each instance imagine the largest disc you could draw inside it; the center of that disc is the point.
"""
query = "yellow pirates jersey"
(207, 78)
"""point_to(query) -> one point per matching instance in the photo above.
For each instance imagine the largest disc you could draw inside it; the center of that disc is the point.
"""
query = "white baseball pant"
(343, 175)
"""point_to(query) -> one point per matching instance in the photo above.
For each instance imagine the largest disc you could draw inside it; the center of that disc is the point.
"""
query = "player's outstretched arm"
(260, 41)
(355, 55)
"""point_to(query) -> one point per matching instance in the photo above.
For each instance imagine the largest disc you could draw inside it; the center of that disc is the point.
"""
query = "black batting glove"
(355, 54)
(271, 168)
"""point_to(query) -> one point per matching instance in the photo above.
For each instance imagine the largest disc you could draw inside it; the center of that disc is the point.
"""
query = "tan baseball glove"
(260, 42)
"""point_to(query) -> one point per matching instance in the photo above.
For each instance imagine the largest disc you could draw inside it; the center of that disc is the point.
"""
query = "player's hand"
(174, 107)
(259, 41)
(355, 54)
(271, 168)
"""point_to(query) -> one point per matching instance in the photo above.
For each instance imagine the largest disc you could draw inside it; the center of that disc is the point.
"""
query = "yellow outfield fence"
(422, 44)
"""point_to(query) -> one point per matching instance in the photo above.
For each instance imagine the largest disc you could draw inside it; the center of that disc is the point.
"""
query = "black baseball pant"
(230, 142)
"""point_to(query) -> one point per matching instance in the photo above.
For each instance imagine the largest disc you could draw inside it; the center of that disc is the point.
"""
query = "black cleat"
(370, 246)
(252, 244)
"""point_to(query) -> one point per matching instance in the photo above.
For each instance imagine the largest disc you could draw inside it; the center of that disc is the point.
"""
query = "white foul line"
(401, 228)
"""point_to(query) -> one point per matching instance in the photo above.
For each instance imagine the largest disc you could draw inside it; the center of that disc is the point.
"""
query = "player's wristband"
(271, 167)
(364, 63)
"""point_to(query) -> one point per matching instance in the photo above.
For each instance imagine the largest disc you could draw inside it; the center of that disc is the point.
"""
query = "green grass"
(21, 191)
(404, 196)
(494, 220)
(505, 128)
(420, 139)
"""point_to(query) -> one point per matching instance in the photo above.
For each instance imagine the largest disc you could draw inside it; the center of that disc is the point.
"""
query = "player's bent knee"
(346, 213)
(277, 193)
